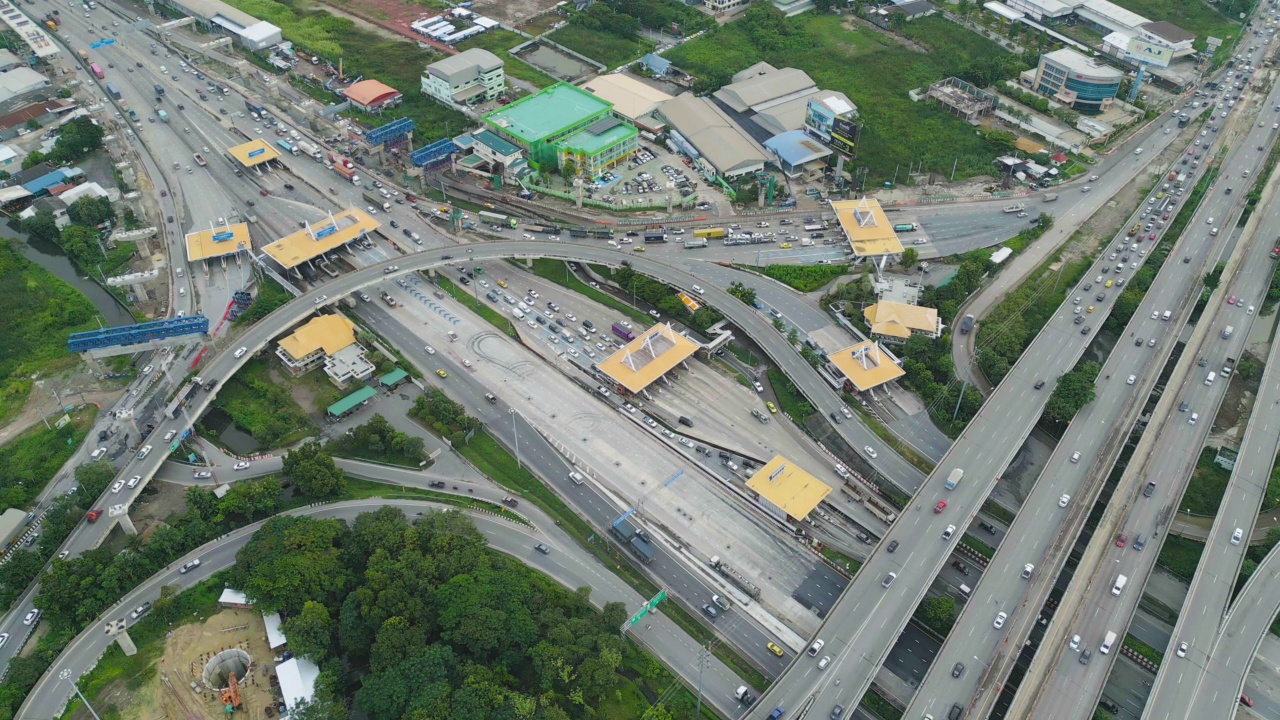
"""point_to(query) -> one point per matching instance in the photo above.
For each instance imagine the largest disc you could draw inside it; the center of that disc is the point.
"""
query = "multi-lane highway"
(1059, 503)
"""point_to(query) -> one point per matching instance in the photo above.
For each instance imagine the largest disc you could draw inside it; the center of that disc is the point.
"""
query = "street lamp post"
(66, 675)
(516, 435)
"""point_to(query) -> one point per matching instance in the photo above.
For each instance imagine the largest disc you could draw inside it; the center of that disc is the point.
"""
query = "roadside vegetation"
(937, 613)
(40, 312)
(804, 278)
(377, 441)
(31, 459)
(1207, 487)
(1077, 388)
(609, 31)
(557, 271)
(876, 72)
(1180, 556)
(271, 296)
(478, 609)
(259, 404)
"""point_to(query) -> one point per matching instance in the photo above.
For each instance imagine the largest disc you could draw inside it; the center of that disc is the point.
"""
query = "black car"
(436, 483)
(957, 670)
(287, 186)
(395, 224)
(893, 545)
(1100, 297)
(407, 232)
(1084, 330)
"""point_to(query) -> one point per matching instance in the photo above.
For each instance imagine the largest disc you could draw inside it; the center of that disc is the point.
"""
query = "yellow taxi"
(1090, 308)
(785, 246)
(442, 373)
(502, 283)
(773, 648)
(772, 408)
(1110, 283)
(638, 248)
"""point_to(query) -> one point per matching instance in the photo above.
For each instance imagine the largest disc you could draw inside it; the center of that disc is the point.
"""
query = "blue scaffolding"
(137, 333)
(437, 153)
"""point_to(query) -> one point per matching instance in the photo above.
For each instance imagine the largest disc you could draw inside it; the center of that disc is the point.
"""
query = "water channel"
(50, 257)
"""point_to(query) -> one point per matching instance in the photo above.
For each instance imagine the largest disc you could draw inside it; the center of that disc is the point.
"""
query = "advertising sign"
(844, 137)
(325, 231)
(256, 153)
(219, 237)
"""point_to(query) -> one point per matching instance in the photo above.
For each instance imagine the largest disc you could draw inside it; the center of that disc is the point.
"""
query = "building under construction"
(963, 99)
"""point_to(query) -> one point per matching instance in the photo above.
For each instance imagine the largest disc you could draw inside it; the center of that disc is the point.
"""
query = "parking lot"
(648, 176)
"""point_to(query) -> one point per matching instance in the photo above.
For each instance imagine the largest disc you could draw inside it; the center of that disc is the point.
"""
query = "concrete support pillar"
(126, 644)
(760, 196)
(127, 525)
(140, 290)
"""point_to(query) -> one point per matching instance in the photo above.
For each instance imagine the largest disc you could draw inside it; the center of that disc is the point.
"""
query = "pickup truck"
(1016, 207)
(1227, 366)
(390, 301)
(200, 160)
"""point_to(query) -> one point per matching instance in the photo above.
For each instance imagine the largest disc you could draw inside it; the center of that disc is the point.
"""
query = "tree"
(310, 632)
(910, 256)
(742, 292)
(91, 211)
(42, 226)
(938, 613)
(314, 472)
(1074, 390)
(1044, 221)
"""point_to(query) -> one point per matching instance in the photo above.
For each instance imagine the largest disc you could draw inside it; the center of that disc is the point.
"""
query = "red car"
(1246, 700)
(1121, 539)
(942, 505)
(1231, 300)
(1152, 237)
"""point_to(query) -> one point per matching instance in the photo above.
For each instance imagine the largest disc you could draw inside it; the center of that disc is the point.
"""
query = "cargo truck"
(734, 577)
(347, 173)
(692, 244)
(904, 227)
(743, 695)
(712, 232)
(308, 149)
(1226, 331)
(133, 115)
(164, 116)
(1016, 207)
(287, 146)
(97, 71)
(623, 332)
(376, 200)
(1050, 197)
(954, 478)
(254, 106)
(966, 325)
(114, 91)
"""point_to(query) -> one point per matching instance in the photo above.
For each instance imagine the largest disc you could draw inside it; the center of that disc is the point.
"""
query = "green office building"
(566, 123)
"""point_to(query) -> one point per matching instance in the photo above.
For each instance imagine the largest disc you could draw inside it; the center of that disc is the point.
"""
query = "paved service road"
(568, 564)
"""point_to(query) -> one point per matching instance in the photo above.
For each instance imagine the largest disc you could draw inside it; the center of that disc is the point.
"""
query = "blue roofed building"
(798, 155)
(656, 64)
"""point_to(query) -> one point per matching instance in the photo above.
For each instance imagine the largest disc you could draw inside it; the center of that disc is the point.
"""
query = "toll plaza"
(313, 241)
(865, 366)
(652, 354)
(252, 154)
(786, 491)
(218, 242)
(867, 229)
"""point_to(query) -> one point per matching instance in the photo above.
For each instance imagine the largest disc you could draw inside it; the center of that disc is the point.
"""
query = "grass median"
(557, 271)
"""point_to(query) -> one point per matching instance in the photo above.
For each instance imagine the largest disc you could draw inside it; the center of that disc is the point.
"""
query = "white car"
(147, 369)
(466, 363)
(533, 293)
(1062, 501)
(759, 388)
(31, 617)
(203, 474)
(321, 299)
(870, 451)
(1075, 639)
(1131, 380)
(430, 350)
(1000, 618)
(242, 465)
(133, 481)
(1182, 650)
(117, 485)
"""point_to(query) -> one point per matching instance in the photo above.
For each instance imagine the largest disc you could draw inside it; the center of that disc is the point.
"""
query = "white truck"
(743, 695)
(1226, 331)
(308, 149)
(1016, 207)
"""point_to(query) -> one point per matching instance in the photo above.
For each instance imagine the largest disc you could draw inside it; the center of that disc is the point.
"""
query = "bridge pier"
(120, 513)
(118, 631)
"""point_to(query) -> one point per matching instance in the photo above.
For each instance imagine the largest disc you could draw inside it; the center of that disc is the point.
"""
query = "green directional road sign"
(644, 609)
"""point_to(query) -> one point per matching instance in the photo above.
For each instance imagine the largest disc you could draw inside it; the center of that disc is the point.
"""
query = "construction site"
(212, 670)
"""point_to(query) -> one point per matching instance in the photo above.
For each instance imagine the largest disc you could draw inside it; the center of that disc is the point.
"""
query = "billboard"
(1144, 50)
(844, 137)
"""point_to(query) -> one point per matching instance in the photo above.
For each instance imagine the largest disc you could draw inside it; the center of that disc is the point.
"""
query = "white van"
(518, 313)
(1167, 315)
(98, 453)
(576, 477)
(1118, 587)
(1107, 642)
(965, 590)
(1209, 380)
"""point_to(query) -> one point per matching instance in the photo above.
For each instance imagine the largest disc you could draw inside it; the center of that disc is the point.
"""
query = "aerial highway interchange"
(865, 616)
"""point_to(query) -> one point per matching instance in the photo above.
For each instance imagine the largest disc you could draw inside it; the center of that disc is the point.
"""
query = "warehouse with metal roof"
(717, 145)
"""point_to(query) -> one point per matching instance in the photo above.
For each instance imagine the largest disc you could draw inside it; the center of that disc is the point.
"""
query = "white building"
(467, 78)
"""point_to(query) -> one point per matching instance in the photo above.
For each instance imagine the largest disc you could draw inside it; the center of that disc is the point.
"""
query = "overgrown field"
(40, 312)
(876, 72)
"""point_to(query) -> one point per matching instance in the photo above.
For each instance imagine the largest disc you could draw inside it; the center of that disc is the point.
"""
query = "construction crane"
(640, 501)
(231, 694)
